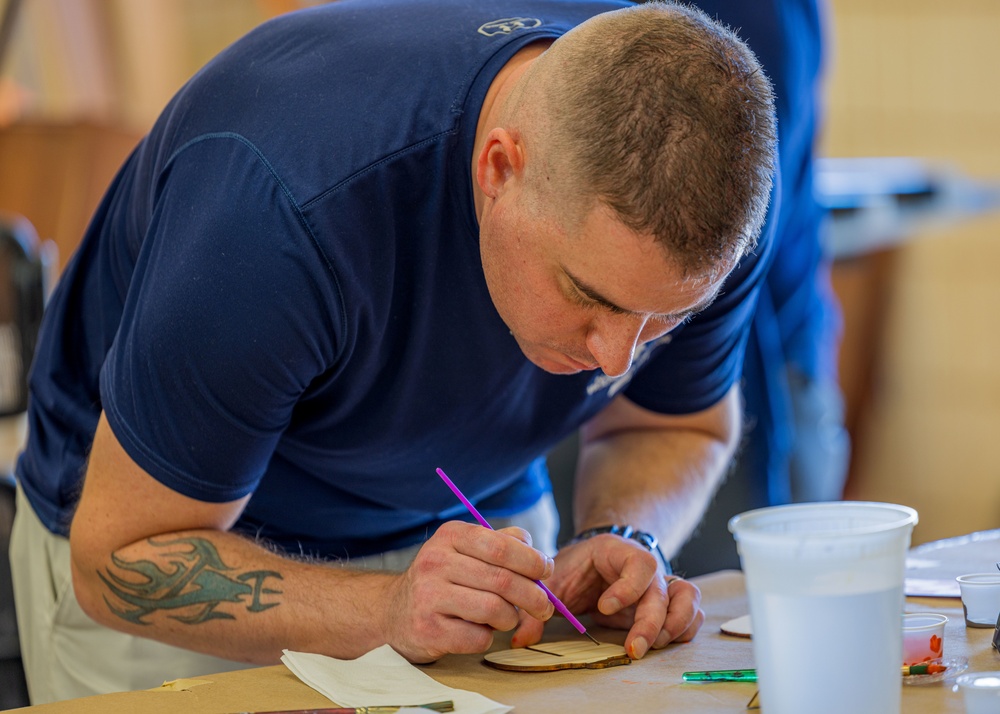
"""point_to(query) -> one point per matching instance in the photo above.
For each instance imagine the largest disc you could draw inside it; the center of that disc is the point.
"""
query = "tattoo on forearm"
(190, 578)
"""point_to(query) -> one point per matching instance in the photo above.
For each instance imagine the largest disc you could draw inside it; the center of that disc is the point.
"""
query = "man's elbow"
(88, 587)
(726, 422)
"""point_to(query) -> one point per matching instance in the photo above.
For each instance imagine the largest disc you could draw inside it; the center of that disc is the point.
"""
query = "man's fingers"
(514, 589)
(650, 615)
(621, 620)
(518, 533)
(684, 614)
(447, 635)
(482, 576)
(528, 632)
(508, 548)
(629, 572)
(693, 628)
(465, 574)
(466, 582)
(478, 606)
(619, 583)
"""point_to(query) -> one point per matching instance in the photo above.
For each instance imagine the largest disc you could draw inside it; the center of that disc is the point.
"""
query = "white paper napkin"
(381, 677)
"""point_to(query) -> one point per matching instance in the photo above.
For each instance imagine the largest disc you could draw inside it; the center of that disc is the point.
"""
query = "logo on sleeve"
(508, 25)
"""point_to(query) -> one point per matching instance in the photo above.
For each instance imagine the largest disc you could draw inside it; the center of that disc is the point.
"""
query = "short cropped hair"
(666, 117)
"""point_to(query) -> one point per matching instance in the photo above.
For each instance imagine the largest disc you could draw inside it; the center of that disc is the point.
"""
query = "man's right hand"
(465, 582)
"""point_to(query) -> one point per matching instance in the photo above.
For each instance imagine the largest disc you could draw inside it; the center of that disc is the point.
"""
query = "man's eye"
(668, 320)
(666, 323)
(580, 299)
(587, 301)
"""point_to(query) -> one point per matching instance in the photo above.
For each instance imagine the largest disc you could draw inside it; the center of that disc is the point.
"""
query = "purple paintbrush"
(485, 524)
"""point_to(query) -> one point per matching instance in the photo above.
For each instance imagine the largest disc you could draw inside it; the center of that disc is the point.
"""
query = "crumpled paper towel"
(381, 677)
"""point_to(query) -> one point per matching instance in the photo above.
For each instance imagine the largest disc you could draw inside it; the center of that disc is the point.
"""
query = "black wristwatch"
(647, 540)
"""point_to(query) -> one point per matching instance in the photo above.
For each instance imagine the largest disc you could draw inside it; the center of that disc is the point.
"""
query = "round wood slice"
(738, 627)
(550, 656)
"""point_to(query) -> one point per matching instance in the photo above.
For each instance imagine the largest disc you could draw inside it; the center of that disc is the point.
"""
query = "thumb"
(529, 631)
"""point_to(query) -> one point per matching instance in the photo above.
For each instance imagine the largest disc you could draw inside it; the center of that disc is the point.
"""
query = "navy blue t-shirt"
(282, 294)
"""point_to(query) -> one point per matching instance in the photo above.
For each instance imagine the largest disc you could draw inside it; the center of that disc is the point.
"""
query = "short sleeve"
(231, 312)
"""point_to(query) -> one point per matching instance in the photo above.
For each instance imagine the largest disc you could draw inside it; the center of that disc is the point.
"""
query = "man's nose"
(612, 340)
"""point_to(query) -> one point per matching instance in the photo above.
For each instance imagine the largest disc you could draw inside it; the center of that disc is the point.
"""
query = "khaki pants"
(67, 655)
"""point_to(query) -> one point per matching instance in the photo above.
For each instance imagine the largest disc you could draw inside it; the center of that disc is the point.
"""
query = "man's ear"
(500, 160)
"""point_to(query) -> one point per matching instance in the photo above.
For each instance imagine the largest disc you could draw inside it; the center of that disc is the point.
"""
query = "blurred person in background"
(795, 446)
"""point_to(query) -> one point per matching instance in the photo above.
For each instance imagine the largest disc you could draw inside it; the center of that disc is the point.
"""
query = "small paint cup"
(980, 598)
(980, 692)
(923, 637)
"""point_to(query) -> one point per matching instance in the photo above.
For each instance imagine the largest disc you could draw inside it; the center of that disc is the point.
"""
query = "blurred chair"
(51, 179)
(13, 688)
(22, 297)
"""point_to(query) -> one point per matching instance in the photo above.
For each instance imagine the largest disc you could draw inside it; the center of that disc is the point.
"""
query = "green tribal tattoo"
(194, 579)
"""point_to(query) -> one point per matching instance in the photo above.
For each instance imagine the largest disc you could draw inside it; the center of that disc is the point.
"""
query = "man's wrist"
(647, 540)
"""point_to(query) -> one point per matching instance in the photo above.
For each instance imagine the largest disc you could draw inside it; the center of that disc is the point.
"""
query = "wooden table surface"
(651, 685)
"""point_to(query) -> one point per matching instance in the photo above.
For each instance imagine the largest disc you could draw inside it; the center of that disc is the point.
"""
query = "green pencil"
(721, 675)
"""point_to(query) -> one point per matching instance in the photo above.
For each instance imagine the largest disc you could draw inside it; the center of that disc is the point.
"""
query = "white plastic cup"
(980, 692)
(980, 598)
(825, 584)
(923, 637)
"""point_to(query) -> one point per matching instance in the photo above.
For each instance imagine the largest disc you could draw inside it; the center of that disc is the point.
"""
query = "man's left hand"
(620, 584)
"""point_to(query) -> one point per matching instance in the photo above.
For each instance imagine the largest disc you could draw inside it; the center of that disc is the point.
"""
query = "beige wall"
(920, 78)
(118, 61)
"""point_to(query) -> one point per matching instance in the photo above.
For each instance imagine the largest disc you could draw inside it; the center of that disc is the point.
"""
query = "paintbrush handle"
(443, 706)
(436, 706)
(556, 602)
(338, 710)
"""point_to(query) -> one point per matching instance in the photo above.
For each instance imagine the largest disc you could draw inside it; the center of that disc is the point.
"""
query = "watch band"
(647, 540)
